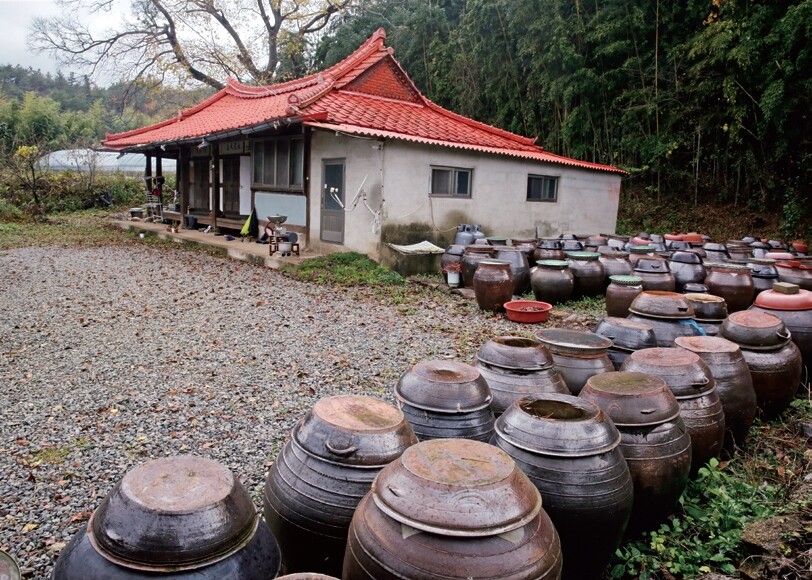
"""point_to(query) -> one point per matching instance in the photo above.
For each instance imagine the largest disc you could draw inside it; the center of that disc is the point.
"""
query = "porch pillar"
(215, 161)
(148, 173)
(183, 182)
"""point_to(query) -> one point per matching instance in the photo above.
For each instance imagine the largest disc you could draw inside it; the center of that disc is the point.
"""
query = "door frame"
(342, 161)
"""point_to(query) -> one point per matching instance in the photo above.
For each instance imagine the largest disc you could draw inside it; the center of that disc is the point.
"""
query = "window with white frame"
(279, 163)
(450, 182)
(542, 188)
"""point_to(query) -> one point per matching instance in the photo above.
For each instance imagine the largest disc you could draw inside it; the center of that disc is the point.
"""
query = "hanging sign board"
(234, 147)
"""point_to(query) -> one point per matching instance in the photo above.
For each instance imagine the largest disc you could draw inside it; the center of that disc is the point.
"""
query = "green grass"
(345, 269)
(589, 306)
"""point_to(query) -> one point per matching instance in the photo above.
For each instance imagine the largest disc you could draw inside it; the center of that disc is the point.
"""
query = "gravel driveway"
(110, 357)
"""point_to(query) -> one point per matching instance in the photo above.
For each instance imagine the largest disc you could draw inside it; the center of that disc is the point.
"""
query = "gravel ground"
(110, 357)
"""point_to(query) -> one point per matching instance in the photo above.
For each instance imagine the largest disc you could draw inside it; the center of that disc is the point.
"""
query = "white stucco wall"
(587, 200)
(361, 160)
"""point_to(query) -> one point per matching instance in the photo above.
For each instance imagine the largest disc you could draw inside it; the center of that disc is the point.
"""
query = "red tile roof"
(368, 93)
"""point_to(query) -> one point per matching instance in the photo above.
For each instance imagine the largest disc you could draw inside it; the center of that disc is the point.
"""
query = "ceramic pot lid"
(173, 513)
(444, 386)
(515, 352)
(772, 300)
(660, 304)
(707, 344)
(558, 426)
(753, 328)
(587, 256)
(456, 487)
(626, 334)
(632, 399)
(707, 307)
(565, 341)
(686, 257)
(684, 372)
(652, 266)
(354, 430)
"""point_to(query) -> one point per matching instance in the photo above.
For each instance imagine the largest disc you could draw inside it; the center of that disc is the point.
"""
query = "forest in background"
(703, 103)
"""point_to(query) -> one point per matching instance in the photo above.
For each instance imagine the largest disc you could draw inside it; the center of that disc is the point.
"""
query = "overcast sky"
(16, 17)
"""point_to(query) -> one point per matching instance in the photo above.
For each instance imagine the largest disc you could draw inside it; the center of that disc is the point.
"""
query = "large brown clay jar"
(552, 281)
(493, 285)
(519, 267)
(733, 383)
(692, 383)
(796, 311)
(614, 264)
(732, 282)
(654, 440)
(587, 272)
(570, 451)
(620, 294)
(473, 255)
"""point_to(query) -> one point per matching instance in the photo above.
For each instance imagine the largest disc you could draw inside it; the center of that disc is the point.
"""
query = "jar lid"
(652, 266)
(456, 487)
(587, 256)
(686, 257)
(723, 266)
(684, 372)
(772, 300)
(623, 280)
(515, 352)
(553, 264)
(632, 399)
(444, 386)
(564, 340)
(637, 249)
(354, 430)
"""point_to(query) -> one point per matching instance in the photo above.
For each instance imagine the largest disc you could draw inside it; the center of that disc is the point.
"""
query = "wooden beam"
(215, 160)
(183, 182)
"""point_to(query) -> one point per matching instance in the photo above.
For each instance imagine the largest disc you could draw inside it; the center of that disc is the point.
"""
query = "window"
(450, 181)
(279, 163)
(542, 188)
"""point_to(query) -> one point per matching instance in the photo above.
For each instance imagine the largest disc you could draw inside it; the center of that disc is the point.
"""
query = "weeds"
(345, 269)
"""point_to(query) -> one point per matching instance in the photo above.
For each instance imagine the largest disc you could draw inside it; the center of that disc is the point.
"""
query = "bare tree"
(182, 40)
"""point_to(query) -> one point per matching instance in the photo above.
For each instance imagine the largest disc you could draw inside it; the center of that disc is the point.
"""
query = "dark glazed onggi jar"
(655, 275)
(452, 509)
(732, 282)
(470, 260)
(653, 440)
(621, 293)
(552, 281)
(570, 451)
(519, 267)
(587, 273)
(493, 285)
(614, 264)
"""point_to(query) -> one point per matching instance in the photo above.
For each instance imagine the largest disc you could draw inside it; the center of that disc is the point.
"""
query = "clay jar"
(732, 282)
(473, 255)
(692, 383)
(314, 485)
(570, 451)
(515, 367)
(734, 384)
(587, 273)
(452, 509)
(668, 313)
(764, 273)
(653, 439)
(493, 284)
(795, 309)
(773, 359)
(687, 268)
(552, 281)
(655, 274)
(627, 336)
(443, 398)
(181, 517)
(614, 264)
(548, 249)
(796, 272)
(577, 355)
(519, 267)
(709, 311)
(620, 294)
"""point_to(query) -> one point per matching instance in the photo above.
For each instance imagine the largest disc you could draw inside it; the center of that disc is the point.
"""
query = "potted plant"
(452, 271)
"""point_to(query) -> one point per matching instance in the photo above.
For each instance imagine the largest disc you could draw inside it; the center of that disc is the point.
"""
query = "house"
(356, 157)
